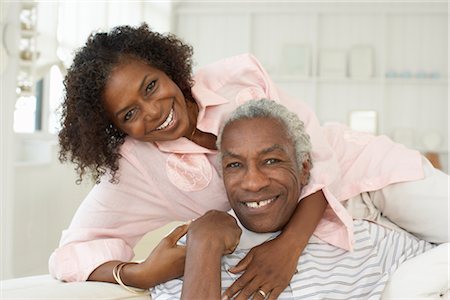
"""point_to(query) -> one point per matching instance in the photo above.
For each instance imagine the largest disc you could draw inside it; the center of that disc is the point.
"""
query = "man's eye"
(128, 115)
(150, 86)
(233, 165)
(271, 161)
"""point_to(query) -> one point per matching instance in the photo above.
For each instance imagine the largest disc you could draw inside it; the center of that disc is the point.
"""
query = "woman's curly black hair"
(88, 138)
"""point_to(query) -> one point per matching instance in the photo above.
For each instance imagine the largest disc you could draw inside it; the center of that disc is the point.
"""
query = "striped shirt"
(325, 271)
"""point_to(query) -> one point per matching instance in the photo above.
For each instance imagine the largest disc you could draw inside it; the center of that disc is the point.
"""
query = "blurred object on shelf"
(364, 121)
(420, 74)
(431, 140)
(404, 136)
(361, 61)
(433, 157)
(296, 59)
(333, 63)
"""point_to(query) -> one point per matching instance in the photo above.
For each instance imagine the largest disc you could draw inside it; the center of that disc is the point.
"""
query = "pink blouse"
(179, 180)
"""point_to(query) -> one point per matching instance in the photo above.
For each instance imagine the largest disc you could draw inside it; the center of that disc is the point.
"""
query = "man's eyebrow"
(275, 147)
(141, 86)
(229, 154)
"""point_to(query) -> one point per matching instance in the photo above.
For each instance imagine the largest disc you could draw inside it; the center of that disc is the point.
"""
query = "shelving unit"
(26, 104)
(409, 85)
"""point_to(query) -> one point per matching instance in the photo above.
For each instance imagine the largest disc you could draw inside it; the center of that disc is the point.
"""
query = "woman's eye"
(150, 86)
(128, 115)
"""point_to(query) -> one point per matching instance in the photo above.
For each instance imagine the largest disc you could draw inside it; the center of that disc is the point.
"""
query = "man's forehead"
(267, 134)
(262, 121)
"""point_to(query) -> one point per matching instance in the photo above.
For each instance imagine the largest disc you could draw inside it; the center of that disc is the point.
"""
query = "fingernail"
(225, 297)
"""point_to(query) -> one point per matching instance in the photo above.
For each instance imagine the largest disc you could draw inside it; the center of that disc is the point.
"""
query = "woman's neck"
(204, 139)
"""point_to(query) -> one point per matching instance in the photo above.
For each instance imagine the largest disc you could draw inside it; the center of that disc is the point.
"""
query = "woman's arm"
(271, 265)
(164, 263)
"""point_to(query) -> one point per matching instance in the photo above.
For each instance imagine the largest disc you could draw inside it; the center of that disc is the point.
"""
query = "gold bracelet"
(116, 275)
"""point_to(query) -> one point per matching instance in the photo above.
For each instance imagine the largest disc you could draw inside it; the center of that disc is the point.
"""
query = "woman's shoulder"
(240, 69)
(228, 66)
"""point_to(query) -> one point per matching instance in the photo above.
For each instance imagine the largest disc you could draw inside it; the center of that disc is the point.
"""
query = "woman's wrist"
(133, 274)
(304, 221)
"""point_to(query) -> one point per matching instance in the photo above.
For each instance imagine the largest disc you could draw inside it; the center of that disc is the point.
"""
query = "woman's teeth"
(258, 204)
(167, 122)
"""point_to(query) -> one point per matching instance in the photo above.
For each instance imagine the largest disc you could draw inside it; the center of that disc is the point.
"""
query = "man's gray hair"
(265, 108)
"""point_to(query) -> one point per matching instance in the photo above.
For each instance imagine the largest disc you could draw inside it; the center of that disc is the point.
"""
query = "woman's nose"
(152, 112)
(254, 180)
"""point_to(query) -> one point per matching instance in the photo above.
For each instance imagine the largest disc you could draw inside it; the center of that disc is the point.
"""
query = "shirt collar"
(250, 239)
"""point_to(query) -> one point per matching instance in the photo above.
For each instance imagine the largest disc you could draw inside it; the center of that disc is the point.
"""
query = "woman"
(136, 119)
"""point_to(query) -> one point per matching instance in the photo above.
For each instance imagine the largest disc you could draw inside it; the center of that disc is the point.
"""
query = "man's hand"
(268, 267)
(215, 226)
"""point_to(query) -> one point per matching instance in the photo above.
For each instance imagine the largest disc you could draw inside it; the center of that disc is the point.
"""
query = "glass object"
(25, 114)
(28, 18)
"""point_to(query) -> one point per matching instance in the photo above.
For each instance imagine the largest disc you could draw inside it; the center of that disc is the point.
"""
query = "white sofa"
(45, 287)
(423, 277)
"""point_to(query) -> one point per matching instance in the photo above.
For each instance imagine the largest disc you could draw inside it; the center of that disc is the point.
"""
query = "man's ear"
(305, 172)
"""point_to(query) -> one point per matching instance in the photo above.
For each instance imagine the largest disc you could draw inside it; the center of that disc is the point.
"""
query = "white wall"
(46, 198)
(9, 15)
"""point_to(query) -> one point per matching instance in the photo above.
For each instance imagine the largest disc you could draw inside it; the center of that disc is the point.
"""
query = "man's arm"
(208, 239)
(202, 278)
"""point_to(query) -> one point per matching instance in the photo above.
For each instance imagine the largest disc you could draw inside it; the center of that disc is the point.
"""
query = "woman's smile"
(168, 122)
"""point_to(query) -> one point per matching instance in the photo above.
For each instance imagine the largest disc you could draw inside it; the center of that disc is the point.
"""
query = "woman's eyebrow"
(141, 86)
(143, 82)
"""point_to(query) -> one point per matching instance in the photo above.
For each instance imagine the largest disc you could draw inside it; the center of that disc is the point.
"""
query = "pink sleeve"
(76, 261)
(108, 224)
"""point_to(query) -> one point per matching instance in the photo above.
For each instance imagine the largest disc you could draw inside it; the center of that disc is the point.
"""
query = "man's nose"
(254, 179)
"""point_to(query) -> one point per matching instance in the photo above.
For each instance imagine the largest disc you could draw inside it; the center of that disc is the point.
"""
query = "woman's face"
(145, 103)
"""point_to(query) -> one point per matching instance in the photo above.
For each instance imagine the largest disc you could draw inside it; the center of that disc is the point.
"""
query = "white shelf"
(406, 38)
(348, 80)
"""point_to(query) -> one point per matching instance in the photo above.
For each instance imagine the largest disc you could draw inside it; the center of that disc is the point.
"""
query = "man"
(265, 162)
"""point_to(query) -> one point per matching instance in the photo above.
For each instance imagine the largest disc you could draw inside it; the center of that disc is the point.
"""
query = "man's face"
(260, 173)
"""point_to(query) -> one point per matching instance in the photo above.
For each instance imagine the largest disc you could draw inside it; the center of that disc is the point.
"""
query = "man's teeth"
(167, 121)
(258, 204)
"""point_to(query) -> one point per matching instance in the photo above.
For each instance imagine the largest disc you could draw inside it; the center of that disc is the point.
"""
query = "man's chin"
(260, 227)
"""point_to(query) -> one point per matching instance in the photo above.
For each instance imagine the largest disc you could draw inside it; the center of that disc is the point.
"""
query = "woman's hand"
(268, 267)
(165, 262)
